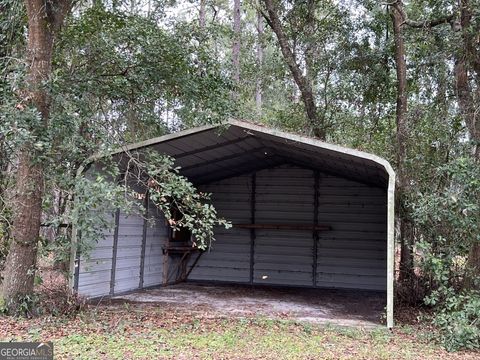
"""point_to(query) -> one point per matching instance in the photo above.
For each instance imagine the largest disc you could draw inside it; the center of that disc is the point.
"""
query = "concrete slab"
(337, 307)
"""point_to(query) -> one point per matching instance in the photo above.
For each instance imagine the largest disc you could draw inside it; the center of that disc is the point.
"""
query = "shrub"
(448, 223)
(458, 320)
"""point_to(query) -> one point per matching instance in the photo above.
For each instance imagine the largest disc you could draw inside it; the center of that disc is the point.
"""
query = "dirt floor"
(338, 307)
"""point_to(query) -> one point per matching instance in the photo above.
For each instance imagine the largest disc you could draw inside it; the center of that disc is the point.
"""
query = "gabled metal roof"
(213, 152)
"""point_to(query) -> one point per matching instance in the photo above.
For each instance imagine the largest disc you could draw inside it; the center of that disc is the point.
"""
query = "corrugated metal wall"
(129, 246)
(96, 268)
(156, 237)
(284, 196)
(351, 255)
(229, 257)
(95, 272)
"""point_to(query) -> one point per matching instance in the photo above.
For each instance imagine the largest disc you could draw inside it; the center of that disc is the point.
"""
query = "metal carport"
(279, 190)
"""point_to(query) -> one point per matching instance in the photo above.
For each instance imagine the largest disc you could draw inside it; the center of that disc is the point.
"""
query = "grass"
(153, 332)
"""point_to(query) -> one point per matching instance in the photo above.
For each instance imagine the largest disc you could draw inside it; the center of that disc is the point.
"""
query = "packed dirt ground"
(332, 306)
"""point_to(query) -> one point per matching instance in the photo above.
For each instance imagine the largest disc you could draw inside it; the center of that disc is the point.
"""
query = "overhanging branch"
(423, 24)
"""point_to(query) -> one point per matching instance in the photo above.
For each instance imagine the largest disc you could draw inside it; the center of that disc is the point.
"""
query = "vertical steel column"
(390, 247)
(114, 252)
(144, 242)
(315, 223)
(252, 231)
(76, 273)
(165, 256)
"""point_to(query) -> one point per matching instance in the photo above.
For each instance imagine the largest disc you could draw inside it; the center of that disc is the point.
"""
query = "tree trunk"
(316, 121)
(202, 14)
(258, 88)
(236, 44)
(404, 226)
(465, 100)
(310, 48)
(133, 7)
(469, 59)
(21, 259)
(44, 20)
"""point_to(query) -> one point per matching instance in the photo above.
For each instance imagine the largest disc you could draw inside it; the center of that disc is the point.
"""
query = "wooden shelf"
(178, 249)
(284, 227)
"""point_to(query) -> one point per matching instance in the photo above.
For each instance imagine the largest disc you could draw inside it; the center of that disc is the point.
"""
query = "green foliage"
(171, 193)
(458, 321)
(449, 221)
(118, 77)
(106, 187)
(3, 307)
(139, 71)
(97, 196)
(25, 305)
(12, 19)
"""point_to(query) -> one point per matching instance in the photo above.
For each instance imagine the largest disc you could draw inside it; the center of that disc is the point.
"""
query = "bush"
(458, 320)
(448, 223)
(52, 296)
(59, 300)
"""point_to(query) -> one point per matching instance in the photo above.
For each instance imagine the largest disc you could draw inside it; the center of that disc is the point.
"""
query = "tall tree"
(316, 120)
(237, 28)
(202, 14)
(467, 65)
(45, 19)
(259, 55)
(405, 226)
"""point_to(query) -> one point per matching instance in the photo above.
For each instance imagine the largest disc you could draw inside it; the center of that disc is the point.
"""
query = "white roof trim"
(315, 142)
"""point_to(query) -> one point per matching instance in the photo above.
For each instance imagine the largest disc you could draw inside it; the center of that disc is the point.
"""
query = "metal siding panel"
(104, 252)
(354, 283)
(97, 289)
(127, 266)
(279, 277)
(353, 253)
(208, 140)
(345, 262)
(284, 195)
(92, 265)
(156, 237)
(355, 209)
(95, 267)
(229, 257)
(94, 283)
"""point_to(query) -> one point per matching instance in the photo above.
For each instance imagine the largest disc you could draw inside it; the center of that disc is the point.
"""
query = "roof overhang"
(212, 152)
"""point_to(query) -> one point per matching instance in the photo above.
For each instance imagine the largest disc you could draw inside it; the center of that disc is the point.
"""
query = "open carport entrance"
(333, 306)
(306, 214)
